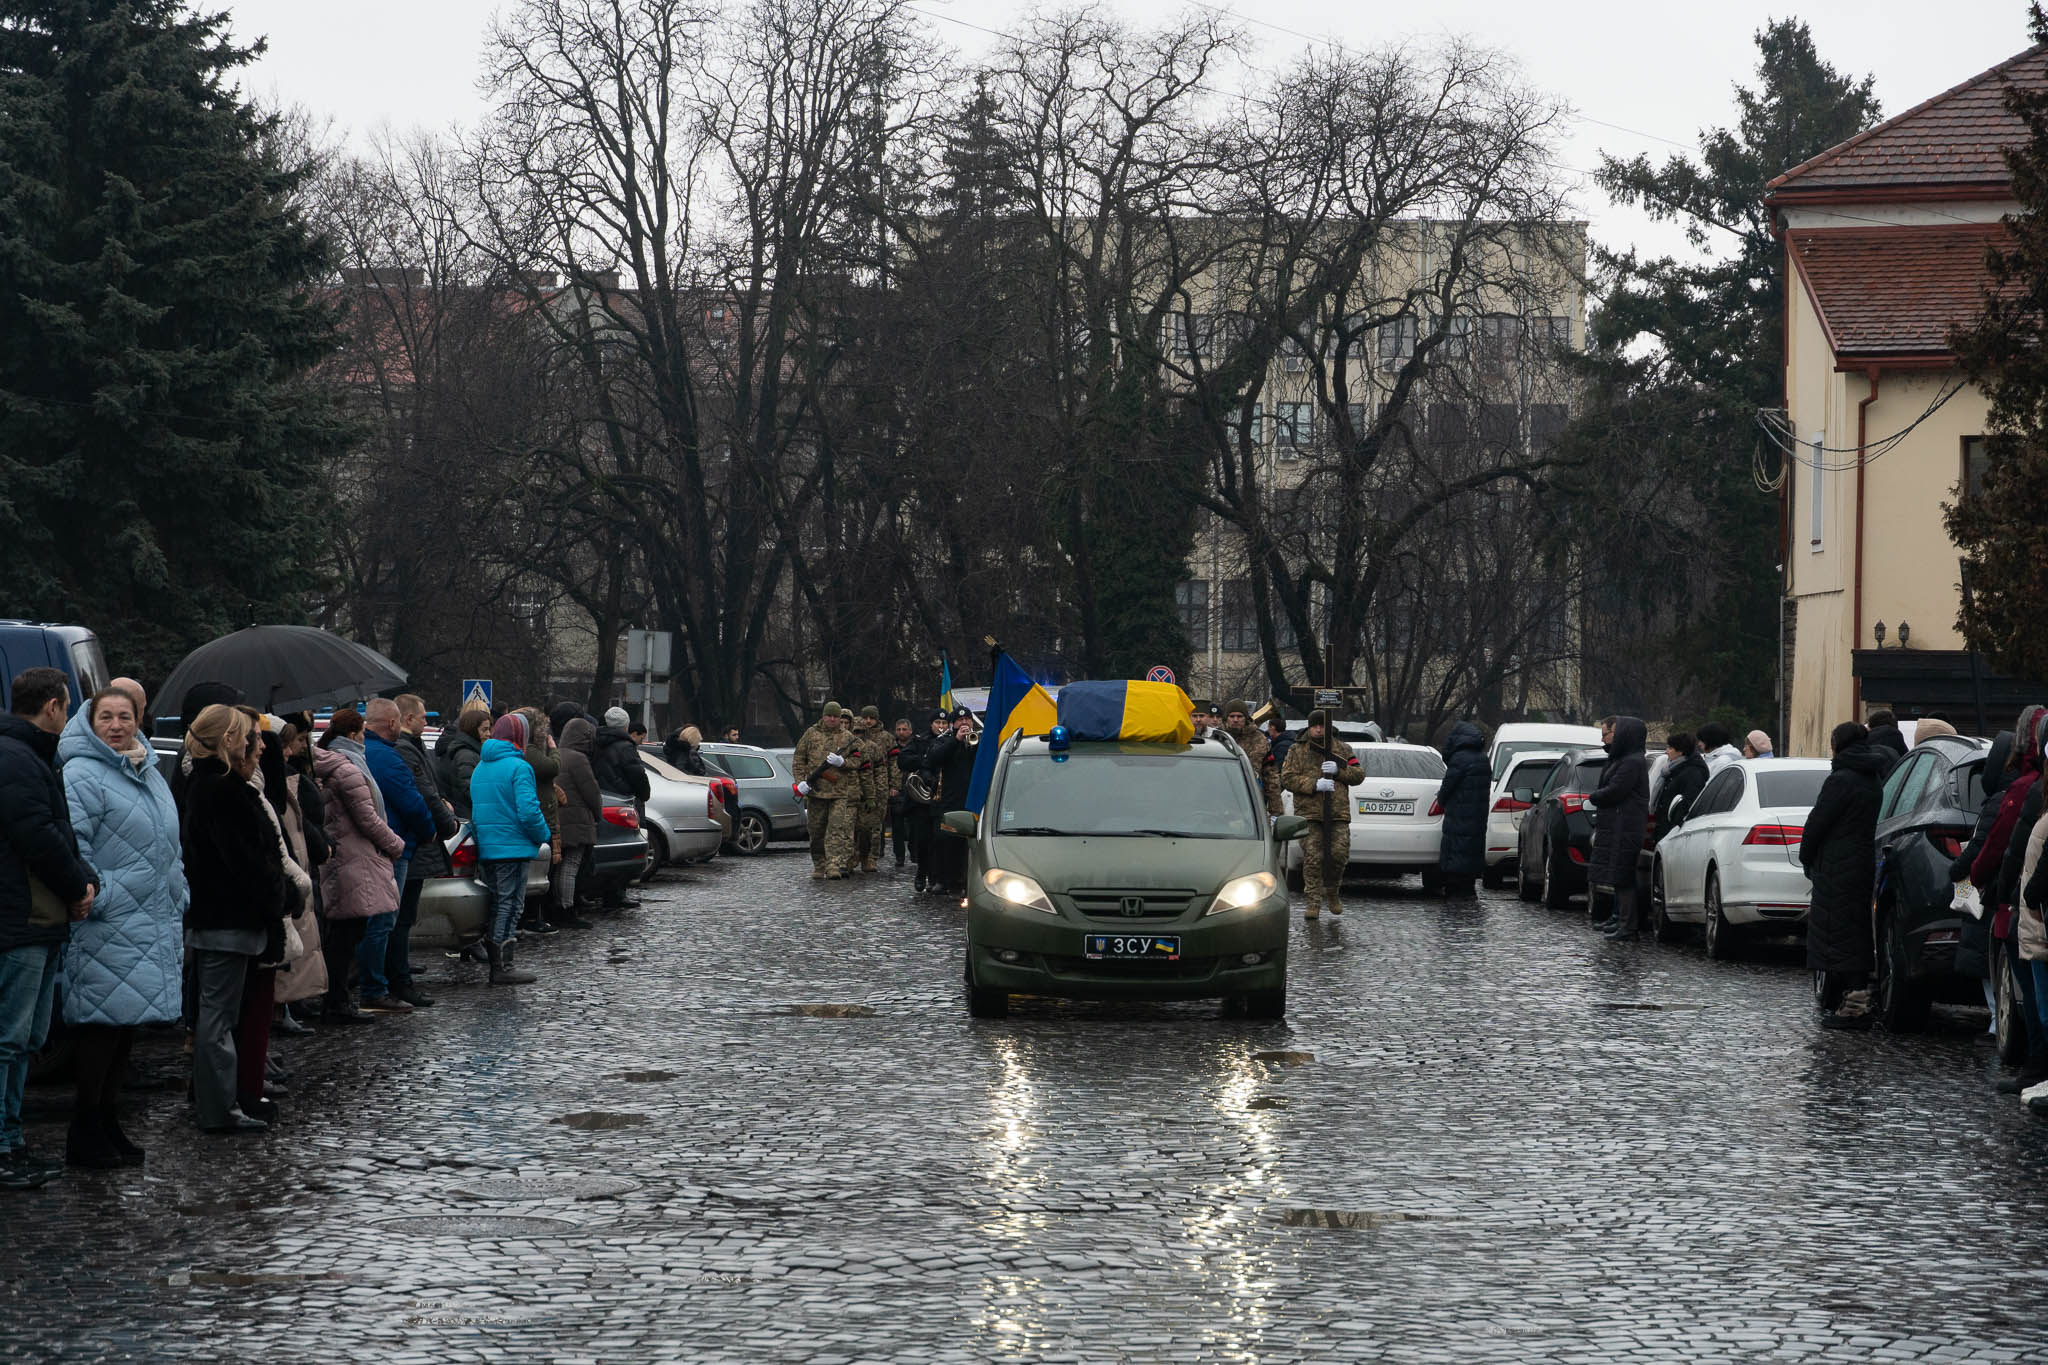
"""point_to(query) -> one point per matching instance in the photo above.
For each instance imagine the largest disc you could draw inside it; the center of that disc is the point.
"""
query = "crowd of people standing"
(270, 878)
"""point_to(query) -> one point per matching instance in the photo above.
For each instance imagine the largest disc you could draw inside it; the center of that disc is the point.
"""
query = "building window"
(1293, 423)
(1240, 623)
(1192, 597)
(1397, 341)
(1976, 452)
(1817, 486)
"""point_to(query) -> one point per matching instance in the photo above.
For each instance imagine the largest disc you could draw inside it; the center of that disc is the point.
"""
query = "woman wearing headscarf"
(124, 966)
(582, 807)
(240, 895)
(509, 832)
(359, 878)
(544, 757)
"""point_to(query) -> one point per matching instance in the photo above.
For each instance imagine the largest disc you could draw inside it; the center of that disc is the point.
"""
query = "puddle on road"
(596, 1120)
(832, 1011)
(1285, 1058)
(1267, 1102)
(483, 1225)
(179, 1279)
(1345, 1218)
(647, 1077)
(1649, 1005)
(513, 1189)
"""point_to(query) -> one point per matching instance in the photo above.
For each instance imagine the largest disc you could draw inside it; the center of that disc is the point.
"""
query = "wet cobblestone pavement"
(1471, 1140)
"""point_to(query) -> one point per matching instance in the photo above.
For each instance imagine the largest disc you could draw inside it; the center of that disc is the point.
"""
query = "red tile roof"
(1950, 145)
(1895, 291)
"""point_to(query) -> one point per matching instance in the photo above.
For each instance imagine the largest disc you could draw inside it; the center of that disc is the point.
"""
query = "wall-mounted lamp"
(1878, 631)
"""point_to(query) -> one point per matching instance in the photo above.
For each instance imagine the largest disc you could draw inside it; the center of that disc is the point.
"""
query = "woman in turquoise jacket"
(124, 965)
(504, 806)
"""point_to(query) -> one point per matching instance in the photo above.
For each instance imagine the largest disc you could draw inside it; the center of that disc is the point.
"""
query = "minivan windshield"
(1125, 795)
(1505, 753)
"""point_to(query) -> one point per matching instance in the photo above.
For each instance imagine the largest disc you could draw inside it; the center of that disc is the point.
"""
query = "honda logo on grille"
(1134, 905)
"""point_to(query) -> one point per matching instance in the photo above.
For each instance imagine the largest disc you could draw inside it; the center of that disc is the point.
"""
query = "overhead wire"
(1777, 428)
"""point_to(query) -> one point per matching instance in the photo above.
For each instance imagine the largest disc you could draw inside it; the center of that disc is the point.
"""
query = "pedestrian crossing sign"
(476, 690)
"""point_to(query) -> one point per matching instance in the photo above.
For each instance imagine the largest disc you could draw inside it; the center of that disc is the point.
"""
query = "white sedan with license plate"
(1395, 825)
(1514, 792)
(1733, 866)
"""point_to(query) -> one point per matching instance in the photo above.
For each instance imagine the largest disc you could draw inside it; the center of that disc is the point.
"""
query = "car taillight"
(1578, 855)
(463, 860)
(1571, 803)
(1508, 803)
(1774, 836)
(623, 816)
(712, 801)
(1436, 807)
(1949, 841)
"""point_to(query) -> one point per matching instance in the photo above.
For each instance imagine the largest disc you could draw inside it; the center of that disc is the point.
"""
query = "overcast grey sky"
(1636, 72)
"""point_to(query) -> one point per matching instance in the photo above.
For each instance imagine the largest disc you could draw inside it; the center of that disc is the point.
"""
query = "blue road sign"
(476, 689)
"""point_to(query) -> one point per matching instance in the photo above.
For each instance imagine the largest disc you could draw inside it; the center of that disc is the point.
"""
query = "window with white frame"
(1817, 488)
(1192, 597)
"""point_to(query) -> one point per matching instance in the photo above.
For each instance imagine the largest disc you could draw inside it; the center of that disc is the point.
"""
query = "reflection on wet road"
(769, 1131)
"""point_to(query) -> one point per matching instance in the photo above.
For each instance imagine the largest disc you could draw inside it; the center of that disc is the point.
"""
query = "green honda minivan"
(1117, 870)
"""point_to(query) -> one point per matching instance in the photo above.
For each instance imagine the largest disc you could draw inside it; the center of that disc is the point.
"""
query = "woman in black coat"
(1839, 852)
(1468, 781)
(1621, 806)
(951, 760)
(234, 864)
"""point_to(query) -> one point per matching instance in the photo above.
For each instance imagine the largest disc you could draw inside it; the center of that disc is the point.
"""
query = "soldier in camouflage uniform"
(1320, 769)
(825, 753)
(1237, 723)
(874, 787)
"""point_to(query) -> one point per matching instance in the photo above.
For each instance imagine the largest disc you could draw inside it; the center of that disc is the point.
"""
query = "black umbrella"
(283, 668)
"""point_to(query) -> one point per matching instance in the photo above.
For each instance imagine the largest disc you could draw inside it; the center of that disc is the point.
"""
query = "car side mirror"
(1676, 810)
(1288, 828)
(961, 822)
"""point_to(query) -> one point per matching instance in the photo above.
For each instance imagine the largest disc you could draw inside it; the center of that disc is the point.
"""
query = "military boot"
(503, 972)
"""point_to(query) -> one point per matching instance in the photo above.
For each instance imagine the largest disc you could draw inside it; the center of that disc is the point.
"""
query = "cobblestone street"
(1536, 1145)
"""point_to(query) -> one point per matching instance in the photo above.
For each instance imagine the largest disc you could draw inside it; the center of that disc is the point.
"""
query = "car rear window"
(1799, 788)
(1110, 793)
(746, 765)
(1586, 774)
(1505, 754)
(1382, 761)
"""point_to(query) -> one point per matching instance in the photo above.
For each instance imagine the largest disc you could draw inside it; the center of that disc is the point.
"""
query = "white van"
(1523, 737)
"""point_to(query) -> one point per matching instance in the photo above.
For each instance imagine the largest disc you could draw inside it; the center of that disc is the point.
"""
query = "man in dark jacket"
(1621, 807)
(415, 822)
(1468, 781)
(44, 885)
(617, 760)
(1838, 849)
(429, 857)
(1684, 780)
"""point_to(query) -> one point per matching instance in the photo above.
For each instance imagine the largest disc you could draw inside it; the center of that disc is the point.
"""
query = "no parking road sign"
(1159, 673)
(476, 689)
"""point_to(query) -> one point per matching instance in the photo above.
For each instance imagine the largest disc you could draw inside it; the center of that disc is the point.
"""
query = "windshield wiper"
(1034, 830)
(1174, 834)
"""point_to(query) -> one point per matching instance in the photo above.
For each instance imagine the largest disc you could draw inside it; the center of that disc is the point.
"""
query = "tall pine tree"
(2004, 532)
(158, 432)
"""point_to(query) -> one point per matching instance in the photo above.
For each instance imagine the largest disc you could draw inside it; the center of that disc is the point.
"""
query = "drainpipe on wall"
(1856, 618)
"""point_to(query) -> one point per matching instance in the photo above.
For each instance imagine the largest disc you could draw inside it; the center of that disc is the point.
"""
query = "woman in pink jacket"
(357, 879)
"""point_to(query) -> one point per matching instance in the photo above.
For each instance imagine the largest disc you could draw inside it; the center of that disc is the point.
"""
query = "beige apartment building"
(1886, 237)
(1501, 382)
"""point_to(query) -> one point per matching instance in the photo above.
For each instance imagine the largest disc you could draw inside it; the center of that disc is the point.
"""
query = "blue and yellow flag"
(1014, 703)
(946, 703)
(1151, 712)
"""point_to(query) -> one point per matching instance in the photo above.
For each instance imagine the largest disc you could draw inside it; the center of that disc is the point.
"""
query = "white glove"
(1330, 769)
(835, 760)
(1324, 784)
(803, 789)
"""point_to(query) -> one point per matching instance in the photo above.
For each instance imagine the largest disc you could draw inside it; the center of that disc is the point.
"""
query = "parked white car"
(1514, 792)
(1524, 737)
(1733, 866)
(1395, 825)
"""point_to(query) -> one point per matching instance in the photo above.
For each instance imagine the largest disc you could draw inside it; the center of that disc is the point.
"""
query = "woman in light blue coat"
(124, 965)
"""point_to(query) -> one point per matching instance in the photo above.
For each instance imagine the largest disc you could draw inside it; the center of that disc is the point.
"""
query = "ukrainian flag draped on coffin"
(1014, 703)
(1151, 712)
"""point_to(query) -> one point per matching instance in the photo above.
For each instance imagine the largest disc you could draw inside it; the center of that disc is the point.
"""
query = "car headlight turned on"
(1014, 888)
(1243, 892)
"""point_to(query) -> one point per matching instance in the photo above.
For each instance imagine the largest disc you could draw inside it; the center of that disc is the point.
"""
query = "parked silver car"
(453, 906)
(685, 818)
(769, 806)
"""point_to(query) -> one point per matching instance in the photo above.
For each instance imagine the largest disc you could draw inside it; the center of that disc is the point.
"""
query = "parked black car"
(1556, 839)
(1929, 808)
(619, 858)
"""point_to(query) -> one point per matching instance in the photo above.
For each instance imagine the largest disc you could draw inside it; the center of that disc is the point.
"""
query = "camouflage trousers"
(1334, 841)
(867, 830)
(832, 824)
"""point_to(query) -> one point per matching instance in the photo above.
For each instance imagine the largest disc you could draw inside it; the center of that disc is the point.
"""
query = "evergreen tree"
(2003, 532)
(1685, 353)
(158, 432)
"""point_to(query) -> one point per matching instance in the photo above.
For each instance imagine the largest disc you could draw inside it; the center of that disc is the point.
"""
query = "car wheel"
(750, 835)
(657, 854)
(1719, 935)
(1555, 895)
(982, 1003)
(1662, 928)
(1266, 1004)
(1525, 888)
(2007, 1004)
(1902, 1006)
